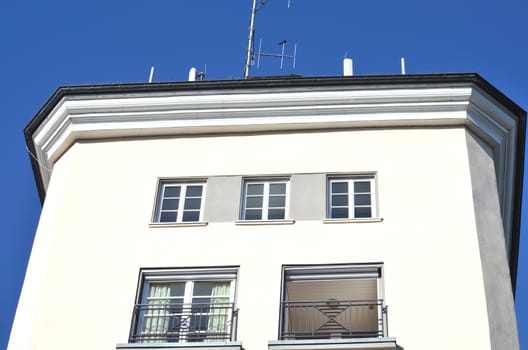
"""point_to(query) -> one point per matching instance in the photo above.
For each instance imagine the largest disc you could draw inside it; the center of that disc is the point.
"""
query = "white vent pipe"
(192, 74)
(348, 69)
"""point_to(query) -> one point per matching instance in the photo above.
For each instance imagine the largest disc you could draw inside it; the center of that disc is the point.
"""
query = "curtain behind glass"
(156, 320)
(219, 317)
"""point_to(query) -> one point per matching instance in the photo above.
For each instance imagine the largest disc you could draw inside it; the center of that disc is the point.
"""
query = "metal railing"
(167, 321)
(325, 319)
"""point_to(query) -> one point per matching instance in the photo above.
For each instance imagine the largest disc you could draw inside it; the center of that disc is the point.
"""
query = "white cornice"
(498, 128)
(92, 117)
(228, 111)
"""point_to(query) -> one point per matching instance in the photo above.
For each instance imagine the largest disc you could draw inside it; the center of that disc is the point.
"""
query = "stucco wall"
(96, 236)
(499, 296)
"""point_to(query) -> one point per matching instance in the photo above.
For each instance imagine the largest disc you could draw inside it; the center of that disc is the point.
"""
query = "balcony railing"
(324, 319)
(167, 321)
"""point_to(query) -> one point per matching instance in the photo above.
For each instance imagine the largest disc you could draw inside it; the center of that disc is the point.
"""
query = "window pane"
(340, 200)
(215, 289)
(255, 189)
(194, 191)
(276, 214)
(192, 203)
(165, 290)
(339, 213)
(278, 188)
(177, 290)
(202, 288)
(363, 212)
(254, 202)
(176, 306)
(169, 216)
(362, 199)
(171, 191)
(198, 322)
(201, 304)
(253, 214)
(277, 201)
(361, 186)
(170, 204)
(339, 187)
(191, 216)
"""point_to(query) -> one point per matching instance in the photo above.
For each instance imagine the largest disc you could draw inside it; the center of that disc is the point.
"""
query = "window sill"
(349, 221)
(177, 224)
(385, 343)
(227, 345)
(264, 222)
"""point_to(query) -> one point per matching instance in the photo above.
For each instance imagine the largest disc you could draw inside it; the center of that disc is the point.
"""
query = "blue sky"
(47, 44)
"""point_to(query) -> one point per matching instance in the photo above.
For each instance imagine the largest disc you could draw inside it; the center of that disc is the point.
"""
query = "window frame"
(189, 277)
(351, 180)
(331, 272)
(266, 182)
(162, 185)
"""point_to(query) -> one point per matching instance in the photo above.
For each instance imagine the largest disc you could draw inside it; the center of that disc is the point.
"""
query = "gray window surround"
(308, 196)
(222, 190)
(224, 199)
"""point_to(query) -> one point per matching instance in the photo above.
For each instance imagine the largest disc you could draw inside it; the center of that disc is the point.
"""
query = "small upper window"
(265, 200)
(179, 202)
(351, 198)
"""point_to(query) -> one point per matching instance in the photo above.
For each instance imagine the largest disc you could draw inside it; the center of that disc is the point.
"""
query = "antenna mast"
(250, 53)
(249, 50)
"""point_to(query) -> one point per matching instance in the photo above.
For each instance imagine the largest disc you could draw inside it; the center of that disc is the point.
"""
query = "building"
(286, 213)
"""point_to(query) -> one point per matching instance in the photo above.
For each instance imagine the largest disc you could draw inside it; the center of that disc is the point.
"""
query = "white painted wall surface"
(94, 235)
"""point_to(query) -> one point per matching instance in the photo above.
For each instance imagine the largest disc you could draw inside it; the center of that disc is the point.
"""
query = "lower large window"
(333, 301)
(185, 305)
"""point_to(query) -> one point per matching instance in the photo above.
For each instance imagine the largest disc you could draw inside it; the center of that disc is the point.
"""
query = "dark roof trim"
(517, 200)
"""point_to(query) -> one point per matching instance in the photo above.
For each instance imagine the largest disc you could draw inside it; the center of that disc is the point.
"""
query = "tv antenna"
(250, 53)
(282, 56)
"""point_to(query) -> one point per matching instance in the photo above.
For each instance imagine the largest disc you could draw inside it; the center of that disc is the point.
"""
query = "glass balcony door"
(190, 311)
(336, 303)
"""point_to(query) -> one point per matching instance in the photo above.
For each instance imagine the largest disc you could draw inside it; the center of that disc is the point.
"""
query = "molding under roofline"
(219, 112)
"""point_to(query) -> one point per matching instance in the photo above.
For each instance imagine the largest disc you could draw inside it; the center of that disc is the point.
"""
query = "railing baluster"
(166, 322)
(333, 318)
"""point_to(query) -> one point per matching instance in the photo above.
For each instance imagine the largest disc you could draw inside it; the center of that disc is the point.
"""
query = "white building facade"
(275, 214)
